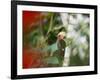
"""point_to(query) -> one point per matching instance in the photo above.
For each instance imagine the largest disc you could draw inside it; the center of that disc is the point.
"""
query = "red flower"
(30, 18)
(31, 58)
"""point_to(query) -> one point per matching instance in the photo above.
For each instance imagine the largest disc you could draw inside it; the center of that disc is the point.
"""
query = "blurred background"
(40, 30)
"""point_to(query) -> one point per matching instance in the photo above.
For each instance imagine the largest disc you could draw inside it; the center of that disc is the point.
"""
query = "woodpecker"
(61, 46)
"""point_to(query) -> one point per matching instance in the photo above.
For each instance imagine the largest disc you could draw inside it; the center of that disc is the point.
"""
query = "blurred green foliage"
(44, 38)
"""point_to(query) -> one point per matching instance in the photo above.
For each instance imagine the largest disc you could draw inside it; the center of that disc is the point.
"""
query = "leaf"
(68, 41)
(52, 60)
(52, 48)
